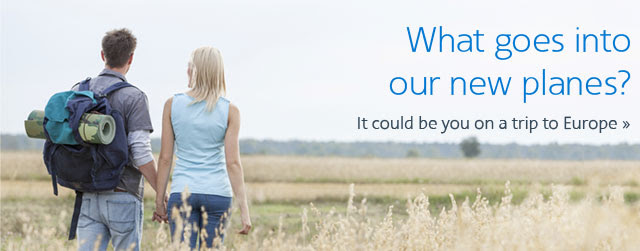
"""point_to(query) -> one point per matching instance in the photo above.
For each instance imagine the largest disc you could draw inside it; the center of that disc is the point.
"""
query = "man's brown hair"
(118, 45)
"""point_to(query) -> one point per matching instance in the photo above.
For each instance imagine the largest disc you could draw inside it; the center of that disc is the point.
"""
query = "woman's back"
(199, 136)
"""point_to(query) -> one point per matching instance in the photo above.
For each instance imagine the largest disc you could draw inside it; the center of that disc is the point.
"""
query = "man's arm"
(139, 137)
(140, 144)
(149, 172)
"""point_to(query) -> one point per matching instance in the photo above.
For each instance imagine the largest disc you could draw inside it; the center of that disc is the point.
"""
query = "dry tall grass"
(535, 224)
(551, 222)
(442, 171)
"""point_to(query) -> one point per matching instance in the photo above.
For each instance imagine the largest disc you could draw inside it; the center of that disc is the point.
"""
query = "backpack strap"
(84, 85)
(47, 152)
(115, 87)
(77, 206)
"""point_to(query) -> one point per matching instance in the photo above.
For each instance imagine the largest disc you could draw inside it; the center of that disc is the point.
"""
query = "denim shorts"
(216, 208)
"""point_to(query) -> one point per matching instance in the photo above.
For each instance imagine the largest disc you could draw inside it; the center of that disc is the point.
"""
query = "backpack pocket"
(73, 166)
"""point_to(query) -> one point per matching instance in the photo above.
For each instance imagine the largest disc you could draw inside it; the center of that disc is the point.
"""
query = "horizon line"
(402, 141)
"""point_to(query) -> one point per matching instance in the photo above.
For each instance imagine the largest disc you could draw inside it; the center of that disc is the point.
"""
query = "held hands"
(160, 214)
(160, 218)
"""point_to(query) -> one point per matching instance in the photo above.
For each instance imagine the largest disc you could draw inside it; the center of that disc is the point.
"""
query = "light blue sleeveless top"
(199, 136)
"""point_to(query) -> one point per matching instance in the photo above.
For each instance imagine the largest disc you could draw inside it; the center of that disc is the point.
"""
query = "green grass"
(475, 182)
(630, 197)
(631, 183)
(576, 181)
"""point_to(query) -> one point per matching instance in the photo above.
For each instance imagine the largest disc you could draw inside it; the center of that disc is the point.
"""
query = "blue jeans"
(217, 209)
(115, 216)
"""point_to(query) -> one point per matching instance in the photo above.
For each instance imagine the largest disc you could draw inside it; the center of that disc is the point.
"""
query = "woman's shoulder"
(233, 110)
(224, 104)
(180, 94)
(169, 100)
(180, 98)
(224, 100)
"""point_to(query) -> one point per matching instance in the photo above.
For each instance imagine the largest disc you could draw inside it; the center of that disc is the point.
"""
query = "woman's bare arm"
(234, 166)
(165, 160)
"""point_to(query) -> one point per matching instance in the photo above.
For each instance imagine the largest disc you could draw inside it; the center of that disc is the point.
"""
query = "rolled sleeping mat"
(33, 125)
(93, 128)
(97, 128)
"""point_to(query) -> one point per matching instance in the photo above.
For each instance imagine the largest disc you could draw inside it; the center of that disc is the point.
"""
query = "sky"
(308, 69)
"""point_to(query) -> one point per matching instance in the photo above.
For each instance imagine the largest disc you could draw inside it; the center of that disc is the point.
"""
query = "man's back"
(116, 215)
(133, 105)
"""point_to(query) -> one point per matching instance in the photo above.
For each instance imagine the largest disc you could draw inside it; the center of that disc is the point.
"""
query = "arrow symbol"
(626, 124)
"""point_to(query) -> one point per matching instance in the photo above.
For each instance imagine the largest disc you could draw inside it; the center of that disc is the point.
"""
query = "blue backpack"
(85, 167)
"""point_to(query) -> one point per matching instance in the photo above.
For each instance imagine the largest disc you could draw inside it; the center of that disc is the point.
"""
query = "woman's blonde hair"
(207, 76)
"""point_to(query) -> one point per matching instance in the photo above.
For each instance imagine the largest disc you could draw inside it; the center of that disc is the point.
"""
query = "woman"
(204, 126)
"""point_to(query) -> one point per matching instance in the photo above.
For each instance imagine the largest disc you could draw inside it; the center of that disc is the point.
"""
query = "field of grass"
(411, 204)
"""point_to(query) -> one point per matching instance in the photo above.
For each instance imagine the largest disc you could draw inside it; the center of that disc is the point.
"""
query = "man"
(118, 215)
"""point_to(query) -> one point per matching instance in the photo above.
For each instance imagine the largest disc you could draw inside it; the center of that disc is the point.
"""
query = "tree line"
(550, 151)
